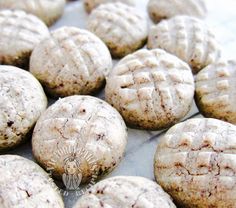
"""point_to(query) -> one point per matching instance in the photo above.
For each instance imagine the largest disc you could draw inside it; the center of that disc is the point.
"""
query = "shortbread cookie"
(164, 9)
(216, 91)
(121, 27)
(195, 163)
(47, 10)
(125, 192)
(188, 38)
(19, 34)
(23, 184)
(89, 5)
(71, 61)
(151, 89)
(77, 126)
(21, 103)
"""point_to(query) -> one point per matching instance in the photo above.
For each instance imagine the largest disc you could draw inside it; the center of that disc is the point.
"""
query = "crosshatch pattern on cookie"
(78, 61)
(112, 22)
(81, 122)
(151, 82)
(47, 10)
(188, 38)
(198, 153)
(164, 9)
(215, 91)
(21, 27)
(91, 4)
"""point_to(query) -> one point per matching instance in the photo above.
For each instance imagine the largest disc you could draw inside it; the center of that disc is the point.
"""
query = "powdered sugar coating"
(215, 91)
(84, 122)
(24, 184)
(164, 9)
(91, 4)
(195, 163)
(47, 10)
(121, 27)
(188, 38)
(19, 34)
(22, 102)
(71, 61)
(151, 89)
(126, 192)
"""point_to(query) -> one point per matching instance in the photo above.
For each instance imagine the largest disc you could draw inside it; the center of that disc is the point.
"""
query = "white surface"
(142, 144)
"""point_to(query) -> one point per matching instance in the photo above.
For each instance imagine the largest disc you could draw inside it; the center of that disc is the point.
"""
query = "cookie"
(77, 126)
(151, 89)
(121, 27)
(195, 163)
(89, 5)
(19, 34)
(48, 11)
(215, 91)
(71, 61)
(125, 192)
(23, 184)
(22, 101)
(188, 38)
(165, 9)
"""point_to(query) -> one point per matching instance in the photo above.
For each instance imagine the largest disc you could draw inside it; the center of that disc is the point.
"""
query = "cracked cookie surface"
(24, 184)
(195, 163)
(125, 192)
(122, 28)
(188, 38)
(22, 102)
(76, 124)
(19, 34)
(215, 91)
(47, 10)
(165, 9)
(91, 4)
(151, 89)
(71, 61)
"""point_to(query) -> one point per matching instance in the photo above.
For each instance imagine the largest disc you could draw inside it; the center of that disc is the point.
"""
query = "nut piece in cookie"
(125, 192)
(165, 9)
(188, 38)
(195, 163)
(123, 28)
(152, 89)
(24, 184)
(22, 102)
(80, 137)
(19, 34)
(71, 61)
(47, 11)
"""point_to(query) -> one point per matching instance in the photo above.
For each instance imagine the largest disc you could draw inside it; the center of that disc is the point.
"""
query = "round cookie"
(22, 101)
(89, 5)
(164, 9)
(47, 10)
(195, 163)
(188, 38)
(151, 89)
(71, 61)
(215, 91)
(122, 27)
(80, 124)
(126, 192)
(19, 34)
(23, 184)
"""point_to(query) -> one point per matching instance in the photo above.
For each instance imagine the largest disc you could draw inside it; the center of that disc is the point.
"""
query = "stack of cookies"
(80, 137)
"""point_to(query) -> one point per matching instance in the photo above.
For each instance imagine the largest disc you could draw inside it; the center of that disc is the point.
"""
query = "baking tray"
(138, 160)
